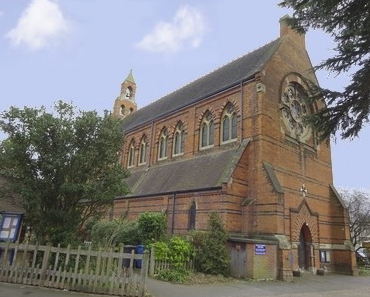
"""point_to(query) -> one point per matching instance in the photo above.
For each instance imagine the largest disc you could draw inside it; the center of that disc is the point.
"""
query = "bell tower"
(125, 102)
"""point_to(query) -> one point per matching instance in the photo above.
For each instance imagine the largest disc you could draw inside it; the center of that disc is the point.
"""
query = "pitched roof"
(208, 171)
(222, 78)
(8, 202)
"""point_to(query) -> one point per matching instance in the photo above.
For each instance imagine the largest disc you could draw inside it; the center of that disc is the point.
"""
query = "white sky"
(81, 51)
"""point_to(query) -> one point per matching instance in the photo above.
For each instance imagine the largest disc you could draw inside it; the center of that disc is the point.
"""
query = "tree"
(63, 166)
(358, 202)
(213, 256)
(151, 226)
(348, 21)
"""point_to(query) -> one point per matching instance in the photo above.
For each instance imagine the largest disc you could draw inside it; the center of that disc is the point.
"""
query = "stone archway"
(305, 251)
(304, 235)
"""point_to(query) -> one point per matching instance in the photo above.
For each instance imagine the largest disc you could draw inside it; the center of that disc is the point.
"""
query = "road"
(317, 286)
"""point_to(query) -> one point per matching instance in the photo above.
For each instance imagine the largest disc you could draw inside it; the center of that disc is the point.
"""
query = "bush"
(212, 256)
(180, 251)
(178, 275)
(151, 227)
(111, 233)
(161, 250)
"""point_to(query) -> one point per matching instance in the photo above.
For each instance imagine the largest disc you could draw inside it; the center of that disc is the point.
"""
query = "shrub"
(115, 232)
(151, 227)
(180, 251)
(161, 250)
(178, 275)
(212, 256)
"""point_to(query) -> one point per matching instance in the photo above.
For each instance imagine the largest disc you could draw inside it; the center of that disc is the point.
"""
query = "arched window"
(229, 124)
(162, 145)
(122, 109)
(179, 140)
(142, 151)
(131, 110)
(131, 155)
(192, 214)
(207, 131)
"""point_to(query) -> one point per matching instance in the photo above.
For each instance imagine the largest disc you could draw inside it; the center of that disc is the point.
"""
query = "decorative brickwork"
(304, 216)
(254, 181)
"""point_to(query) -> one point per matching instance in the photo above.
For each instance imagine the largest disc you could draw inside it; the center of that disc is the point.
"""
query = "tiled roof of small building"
(222, 78)
(205, 171)
(8, 203)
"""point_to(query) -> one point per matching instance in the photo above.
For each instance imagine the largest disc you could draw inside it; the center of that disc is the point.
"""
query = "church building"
(235, 142)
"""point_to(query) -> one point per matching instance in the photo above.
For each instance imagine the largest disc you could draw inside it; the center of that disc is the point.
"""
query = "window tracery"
(142, 151)
(207, 133)
(162, 145)
(294, 108)
(131, 155)
(179, 140)
(229, 124)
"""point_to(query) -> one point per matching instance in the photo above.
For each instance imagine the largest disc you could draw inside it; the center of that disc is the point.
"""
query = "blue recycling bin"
(140, 251)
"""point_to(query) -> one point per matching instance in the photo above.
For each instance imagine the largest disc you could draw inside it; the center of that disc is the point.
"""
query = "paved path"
(328, 286)
(13, 290)
(320, 286)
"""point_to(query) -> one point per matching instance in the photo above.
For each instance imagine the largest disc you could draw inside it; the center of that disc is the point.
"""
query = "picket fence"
(155, 266)
(101, 271)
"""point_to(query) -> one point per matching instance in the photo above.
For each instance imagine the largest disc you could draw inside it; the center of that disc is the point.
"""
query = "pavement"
(312, 285)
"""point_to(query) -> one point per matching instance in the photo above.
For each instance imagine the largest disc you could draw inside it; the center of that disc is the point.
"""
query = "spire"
(130, 77)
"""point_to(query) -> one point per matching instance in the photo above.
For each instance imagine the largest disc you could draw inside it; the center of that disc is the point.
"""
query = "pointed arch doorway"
(305, 248)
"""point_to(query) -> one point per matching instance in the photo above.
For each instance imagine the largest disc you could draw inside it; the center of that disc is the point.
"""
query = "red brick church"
(234, 142)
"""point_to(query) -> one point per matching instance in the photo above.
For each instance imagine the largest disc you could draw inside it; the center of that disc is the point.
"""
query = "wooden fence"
(155, 266)
(85, 270)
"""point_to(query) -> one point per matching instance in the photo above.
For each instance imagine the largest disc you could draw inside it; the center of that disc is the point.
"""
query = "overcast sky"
(81, 51)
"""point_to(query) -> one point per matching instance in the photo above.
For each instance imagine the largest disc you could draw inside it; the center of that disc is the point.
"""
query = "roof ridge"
(211, 71)
(221, 78)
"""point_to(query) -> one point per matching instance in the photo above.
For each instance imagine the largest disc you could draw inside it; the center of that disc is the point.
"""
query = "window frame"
(180, 135)
(192, 215)
(163, 138)
(209, 123)
(131, 155)
(229, 115)
(143, 144)
(325, 256)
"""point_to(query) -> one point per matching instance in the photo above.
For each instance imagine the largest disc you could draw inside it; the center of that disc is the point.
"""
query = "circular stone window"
(293, 109)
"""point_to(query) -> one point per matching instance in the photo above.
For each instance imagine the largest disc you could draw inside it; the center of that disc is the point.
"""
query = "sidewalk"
(329, 286)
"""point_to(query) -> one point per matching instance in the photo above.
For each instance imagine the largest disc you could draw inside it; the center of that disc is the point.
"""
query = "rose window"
(294, 109)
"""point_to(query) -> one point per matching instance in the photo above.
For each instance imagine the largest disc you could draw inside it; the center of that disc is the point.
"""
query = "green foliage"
(162, 251)
(180, 251)
(178, 275)
(177, 251)
(152, 227)
(348, 22)
(107, 234)
(63, 166)
(211, 253)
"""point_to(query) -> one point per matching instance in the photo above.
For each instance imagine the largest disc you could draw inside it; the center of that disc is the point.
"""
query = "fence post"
(44, 266)
(144, 264)
(151, 263)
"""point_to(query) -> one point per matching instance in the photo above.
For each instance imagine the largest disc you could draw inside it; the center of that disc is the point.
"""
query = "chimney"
(286, 30)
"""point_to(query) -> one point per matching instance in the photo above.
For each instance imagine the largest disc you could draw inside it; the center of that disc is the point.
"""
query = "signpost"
(260, 249)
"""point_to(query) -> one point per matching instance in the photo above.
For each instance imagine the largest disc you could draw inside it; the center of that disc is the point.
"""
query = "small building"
(235, 142)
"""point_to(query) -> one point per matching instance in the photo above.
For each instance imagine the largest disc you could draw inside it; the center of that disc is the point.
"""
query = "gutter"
(169, 193)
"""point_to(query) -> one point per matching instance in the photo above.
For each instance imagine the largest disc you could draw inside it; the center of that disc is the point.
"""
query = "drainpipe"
(241, 112)
(151, 145)
(173, 212)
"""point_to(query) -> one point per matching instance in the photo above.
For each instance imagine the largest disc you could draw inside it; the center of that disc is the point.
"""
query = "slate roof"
(8, 203)
(222, 78)
(205, 171)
